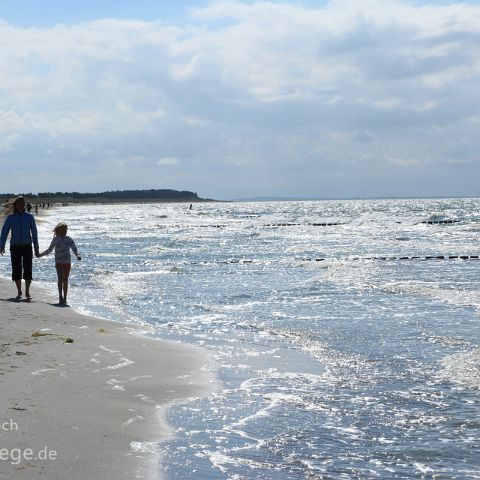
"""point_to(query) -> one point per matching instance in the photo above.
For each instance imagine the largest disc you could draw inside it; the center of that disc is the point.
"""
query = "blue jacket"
(23, 228)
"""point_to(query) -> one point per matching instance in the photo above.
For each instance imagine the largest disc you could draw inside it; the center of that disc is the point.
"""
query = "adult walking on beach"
(23, 230)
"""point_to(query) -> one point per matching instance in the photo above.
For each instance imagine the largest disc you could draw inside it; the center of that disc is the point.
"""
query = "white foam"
(462, 368)
(43, 370)
(124, 363)
(136, 418)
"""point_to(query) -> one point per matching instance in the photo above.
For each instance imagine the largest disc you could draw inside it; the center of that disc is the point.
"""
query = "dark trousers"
(22, 256)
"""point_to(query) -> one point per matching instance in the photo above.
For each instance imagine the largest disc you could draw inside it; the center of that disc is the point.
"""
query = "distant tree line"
(162, 194)
(152, 194)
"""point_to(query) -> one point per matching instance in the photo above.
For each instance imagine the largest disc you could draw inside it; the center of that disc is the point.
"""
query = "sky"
(237, 99)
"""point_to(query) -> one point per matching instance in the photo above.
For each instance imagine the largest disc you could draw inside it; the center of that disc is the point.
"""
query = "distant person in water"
(23, 230)
(62, 244)
(28, 207)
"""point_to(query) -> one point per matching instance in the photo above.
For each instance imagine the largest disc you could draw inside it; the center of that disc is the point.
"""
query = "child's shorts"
(63, 268)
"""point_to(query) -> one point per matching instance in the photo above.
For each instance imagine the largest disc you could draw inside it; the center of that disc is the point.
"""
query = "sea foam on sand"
(83, 398)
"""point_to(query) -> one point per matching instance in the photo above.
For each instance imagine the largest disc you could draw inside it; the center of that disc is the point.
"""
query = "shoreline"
(92, 393)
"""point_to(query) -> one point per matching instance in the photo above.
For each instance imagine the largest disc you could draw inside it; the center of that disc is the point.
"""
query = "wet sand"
(83, 398)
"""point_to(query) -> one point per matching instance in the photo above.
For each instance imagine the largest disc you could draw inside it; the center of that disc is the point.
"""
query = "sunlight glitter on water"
(338, 368)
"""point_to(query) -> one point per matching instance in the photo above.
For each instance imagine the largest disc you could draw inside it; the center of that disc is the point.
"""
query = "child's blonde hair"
(60, 228)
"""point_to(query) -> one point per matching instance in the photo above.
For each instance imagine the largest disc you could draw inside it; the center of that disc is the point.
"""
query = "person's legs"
(27, 269)
(16, 259)
(58, 267)
(63, 272)
(66, 273)
(27, 289)
(18, 283)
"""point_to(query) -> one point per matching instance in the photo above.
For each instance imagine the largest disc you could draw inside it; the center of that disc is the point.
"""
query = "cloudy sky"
(236, 99)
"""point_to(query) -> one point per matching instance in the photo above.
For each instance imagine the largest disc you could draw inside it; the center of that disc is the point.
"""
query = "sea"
(345, 334)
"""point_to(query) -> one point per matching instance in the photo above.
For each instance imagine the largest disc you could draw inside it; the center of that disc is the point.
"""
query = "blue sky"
(239, 98)
(50, 12)
(44, 13)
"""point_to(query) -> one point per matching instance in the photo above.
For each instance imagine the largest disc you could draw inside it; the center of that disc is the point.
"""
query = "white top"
(62, 247)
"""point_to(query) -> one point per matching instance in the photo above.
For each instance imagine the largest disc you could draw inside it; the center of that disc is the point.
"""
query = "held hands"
(37, 253)
(79, 257)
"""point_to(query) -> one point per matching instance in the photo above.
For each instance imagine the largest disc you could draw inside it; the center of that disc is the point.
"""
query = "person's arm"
(74, 249)
(5, 229)
(33, 228)
(50, 248)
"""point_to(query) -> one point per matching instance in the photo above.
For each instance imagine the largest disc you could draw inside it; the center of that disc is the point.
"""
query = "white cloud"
(167, 161)
(255, 98)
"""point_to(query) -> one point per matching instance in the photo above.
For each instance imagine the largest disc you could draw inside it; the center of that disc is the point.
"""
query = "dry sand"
(85, 410)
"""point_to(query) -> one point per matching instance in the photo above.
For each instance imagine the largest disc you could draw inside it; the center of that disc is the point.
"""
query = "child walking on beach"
(62, 244)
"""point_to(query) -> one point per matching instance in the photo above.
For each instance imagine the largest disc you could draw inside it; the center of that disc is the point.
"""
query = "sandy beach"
(81, 398)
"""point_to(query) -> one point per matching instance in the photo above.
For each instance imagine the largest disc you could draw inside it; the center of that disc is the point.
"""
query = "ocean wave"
(462, 368)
